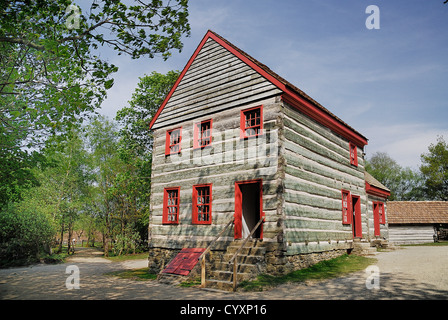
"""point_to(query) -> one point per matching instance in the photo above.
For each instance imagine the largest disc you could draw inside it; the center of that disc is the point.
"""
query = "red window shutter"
(171, 201)
(346, 207)
(353, 154)
(381, 218)
(202, 204)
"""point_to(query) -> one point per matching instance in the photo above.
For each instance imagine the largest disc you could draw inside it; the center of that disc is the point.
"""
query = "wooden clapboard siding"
(317, 169)
(216, 80)
(411, 234)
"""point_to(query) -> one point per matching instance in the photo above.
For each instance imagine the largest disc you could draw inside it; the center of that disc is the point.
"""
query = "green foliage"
(146, 99)
(404, 184)
(25, 231)
(52, 76)
(434, 169)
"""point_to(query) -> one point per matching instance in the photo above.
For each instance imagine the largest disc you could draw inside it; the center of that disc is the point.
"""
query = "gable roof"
(428, 212)
(374, 187)
(291, 94)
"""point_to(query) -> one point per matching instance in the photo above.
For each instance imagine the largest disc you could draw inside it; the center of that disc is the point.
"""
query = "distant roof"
(313, 108)
(375, 187)
(417, 212)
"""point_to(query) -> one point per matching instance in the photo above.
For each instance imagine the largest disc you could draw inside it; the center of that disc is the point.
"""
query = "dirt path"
(410, 273)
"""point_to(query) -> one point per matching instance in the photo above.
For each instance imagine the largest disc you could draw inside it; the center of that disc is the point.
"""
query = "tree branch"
(22, 41)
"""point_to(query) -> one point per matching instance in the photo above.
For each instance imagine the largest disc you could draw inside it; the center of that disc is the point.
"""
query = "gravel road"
(419, 273)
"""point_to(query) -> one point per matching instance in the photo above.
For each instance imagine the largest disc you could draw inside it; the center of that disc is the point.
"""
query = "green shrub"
(24, 234)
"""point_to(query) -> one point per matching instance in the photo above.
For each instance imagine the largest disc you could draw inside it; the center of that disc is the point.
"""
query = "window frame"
(347, 214)
(194, 218)
(168, 144)
(165, 214)
(243, 127)
(353, 154)
(197, 131)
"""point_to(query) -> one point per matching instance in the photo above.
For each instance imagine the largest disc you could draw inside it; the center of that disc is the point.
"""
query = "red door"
(357, 223)
(248, 208)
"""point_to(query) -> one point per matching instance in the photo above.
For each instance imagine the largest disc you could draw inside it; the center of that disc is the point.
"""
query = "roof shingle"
(417, 212)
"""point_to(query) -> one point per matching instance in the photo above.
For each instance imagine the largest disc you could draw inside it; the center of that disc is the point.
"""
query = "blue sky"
(390, 84)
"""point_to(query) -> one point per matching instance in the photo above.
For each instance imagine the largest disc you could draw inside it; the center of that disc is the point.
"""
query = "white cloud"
(403, 142)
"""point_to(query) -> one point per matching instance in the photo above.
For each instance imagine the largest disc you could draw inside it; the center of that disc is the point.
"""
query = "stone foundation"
(279, 264)
(275, 262)
(159, 258)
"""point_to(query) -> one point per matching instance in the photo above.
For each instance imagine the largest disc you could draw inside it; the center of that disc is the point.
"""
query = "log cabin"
(240, 153)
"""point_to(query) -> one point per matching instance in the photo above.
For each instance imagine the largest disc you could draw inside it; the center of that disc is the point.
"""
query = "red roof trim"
(289, 96)
(375, 191)
(320, 116)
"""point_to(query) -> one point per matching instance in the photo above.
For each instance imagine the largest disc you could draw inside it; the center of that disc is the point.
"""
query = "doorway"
(248, 208)
(356, 211)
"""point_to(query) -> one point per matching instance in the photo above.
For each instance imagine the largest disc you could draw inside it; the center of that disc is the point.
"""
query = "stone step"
(242, 267)
(249, 257)
(219, 284)
(364, 249)
(248, 249)
(228, 275)
(243, 259)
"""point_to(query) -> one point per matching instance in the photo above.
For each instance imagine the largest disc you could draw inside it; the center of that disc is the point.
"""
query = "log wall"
(228, 160)
(317, 168)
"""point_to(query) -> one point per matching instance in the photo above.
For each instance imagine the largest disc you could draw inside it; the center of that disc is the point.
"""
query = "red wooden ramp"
(184, 262)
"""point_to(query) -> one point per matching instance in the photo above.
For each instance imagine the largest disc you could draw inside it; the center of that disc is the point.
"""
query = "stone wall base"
(275, 263)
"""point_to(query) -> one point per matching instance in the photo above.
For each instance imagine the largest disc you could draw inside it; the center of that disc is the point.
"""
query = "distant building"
(412, 222)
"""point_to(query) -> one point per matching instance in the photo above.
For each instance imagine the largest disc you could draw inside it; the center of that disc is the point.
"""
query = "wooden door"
(357, 223)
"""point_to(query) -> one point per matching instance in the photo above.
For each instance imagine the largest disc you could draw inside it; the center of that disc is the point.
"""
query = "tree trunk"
(62, 239)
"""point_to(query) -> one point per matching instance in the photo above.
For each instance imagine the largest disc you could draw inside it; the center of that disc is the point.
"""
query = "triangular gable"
(290, 94)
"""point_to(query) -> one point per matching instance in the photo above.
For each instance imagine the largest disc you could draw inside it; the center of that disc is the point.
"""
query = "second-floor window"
(251, 122)
(173, 140)
(202, 134)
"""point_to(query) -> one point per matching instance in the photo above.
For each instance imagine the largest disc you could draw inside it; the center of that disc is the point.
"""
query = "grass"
(126, 257)
(134, 274)
(429, 244)
(323, 270)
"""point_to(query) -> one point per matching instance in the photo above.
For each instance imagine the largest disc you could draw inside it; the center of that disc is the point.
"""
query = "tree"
(404, 183)
(146, 99)
(51, 73)
(135, 148)
(66, 180)
(434, 169)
